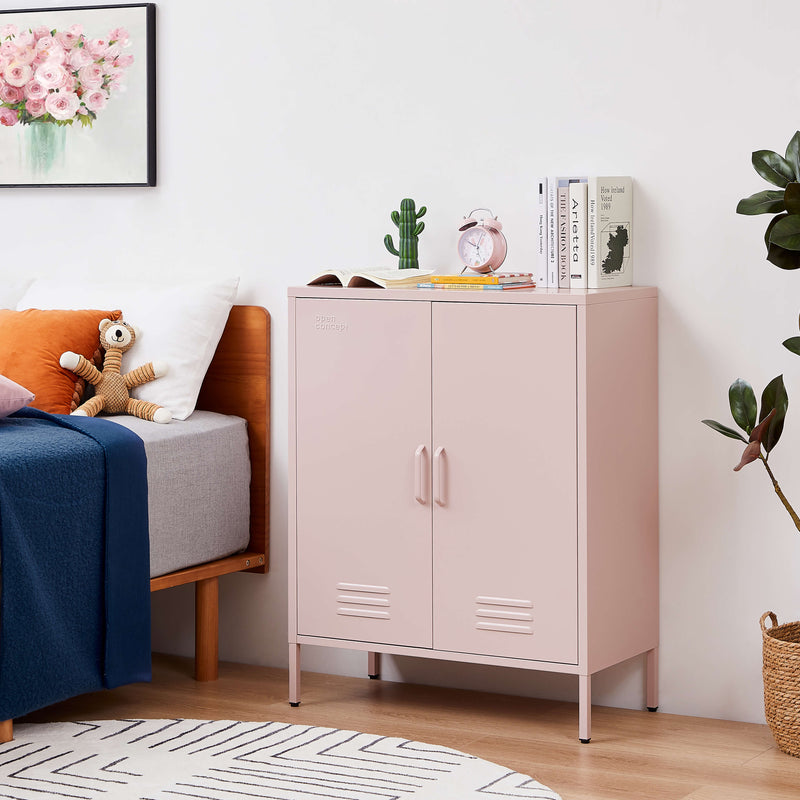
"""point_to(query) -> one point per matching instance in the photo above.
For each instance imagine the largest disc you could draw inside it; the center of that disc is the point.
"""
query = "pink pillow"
(13, 397)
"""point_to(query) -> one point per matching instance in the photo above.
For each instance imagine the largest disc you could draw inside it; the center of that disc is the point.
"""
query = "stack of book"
(491, 281)
(585, 232)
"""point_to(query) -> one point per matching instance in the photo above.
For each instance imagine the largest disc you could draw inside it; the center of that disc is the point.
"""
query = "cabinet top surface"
(580, 297)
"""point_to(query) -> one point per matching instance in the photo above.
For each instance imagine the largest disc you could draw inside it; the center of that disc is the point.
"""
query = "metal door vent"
(362, 600)
(504, 614)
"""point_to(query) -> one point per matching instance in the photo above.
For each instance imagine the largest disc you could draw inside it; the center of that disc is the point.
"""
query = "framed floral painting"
(77, 96)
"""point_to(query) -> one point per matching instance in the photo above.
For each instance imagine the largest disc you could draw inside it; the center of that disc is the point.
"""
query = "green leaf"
(783, 259)
(773, 167)
(786, 232)
(791, 197)
(780, 256)
(770, 201)
(793, 344)
(793, 154)
(724, 430)
(773, 222)
(774, 396)
(742, 400)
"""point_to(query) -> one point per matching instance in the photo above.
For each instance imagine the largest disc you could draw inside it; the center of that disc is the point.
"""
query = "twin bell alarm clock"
(481, 246)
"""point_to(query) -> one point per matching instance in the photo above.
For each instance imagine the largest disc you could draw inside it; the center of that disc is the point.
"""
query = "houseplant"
(409, 230)
(781, 643)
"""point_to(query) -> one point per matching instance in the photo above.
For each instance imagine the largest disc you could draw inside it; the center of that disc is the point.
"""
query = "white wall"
(288, 131)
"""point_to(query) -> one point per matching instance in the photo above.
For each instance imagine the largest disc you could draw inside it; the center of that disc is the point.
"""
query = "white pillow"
(11, 291)
(180, 324)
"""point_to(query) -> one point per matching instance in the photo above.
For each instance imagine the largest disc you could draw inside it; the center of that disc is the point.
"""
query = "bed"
(236, 385)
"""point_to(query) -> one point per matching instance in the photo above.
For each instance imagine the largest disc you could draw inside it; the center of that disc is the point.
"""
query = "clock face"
(475, 247)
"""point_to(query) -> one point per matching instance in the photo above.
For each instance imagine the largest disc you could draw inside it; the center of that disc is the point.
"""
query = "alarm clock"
(481, 246)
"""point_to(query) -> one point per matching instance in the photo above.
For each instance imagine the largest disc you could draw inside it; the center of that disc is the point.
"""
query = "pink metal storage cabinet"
(474, 477)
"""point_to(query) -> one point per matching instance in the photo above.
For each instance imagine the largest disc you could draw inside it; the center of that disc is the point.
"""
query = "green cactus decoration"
(409, 231)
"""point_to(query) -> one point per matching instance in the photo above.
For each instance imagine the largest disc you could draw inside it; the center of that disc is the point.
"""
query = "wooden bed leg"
(206, 629)
(6, 730)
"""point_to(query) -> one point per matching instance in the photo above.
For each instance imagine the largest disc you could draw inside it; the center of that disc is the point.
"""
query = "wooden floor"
(634, 755)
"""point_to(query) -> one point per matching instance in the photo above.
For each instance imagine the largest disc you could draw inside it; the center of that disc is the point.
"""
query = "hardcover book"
(552, 233)
(563, 236)
(610, 232)
(540, 216)
(578, 220)
(558, 209)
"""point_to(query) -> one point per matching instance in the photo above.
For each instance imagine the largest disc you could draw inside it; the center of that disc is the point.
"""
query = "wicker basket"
(782, 682)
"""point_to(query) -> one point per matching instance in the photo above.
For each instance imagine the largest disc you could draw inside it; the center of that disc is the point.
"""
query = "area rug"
(138, 759)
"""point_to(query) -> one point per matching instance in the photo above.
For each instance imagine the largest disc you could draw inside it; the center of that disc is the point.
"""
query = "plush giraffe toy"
(111, 387)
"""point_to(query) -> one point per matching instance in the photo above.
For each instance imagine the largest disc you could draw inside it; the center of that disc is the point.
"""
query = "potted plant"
(763, 429)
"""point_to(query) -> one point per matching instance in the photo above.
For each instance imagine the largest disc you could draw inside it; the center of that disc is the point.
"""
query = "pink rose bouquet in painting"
(52, 76)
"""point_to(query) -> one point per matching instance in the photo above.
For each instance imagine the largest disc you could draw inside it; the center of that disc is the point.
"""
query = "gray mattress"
(198, 483)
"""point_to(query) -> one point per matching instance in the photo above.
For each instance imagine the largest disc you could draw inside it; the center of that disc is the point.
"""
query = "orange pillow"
(31, 343)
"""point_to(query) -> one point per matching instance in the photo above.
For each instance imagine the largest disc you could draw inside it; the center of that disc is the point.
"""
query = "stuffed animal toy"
(111, 387)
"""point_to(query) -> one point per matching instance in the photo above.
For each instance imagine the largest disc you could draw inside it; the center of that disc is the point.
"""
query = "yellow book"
(489, 278)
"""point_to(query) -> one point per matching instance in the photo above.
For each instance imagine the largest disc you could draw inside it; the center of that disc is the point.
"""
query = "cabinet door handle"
(419, 474)
(439, 464)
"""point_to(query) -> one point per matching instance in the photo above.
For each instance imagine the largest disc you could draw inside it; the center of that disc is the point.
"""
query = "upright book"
(540, 219)
(552, 232)
(563, 236)
(578, 231)
(610, 232)
(558, 227)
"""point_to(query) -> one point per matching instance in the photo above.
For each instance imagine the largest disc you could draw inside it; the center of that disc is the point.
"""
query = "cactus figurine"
(409, 231)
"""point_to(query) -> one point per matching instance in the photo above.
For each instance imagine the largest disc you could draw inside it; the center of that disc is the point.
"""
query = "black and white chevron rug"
(138, 759)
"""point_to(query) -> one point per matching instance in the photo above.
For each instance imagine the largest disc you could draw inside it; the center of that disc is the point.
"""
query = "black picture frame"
(102, 129)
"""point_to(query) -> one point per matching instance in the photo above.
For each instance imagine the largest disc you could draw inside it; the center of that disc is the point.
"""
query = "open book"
(370, 278)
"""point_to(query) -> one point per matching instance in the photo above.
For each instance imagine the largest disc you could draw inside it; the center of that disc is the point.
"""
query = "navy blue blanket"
(74, 559)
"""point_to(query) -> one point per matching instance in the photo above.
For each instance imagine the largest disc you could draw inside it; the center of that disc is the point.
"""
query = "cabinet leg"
(652, 679)
(585, 708)
(374, 665)
(294, 674)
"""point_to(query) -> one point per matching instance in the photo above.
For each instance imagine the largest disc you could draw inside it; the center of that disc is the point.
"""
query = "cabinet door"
(363, 412)
(505, 482)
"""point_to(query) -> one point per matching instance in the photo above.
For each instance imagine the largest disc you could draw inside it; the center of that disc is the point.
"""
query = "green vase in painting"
(43, 146)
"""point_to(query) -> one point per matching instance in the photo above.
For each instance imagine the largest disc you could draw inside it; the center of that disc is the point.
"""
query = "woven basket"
(782, 682)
